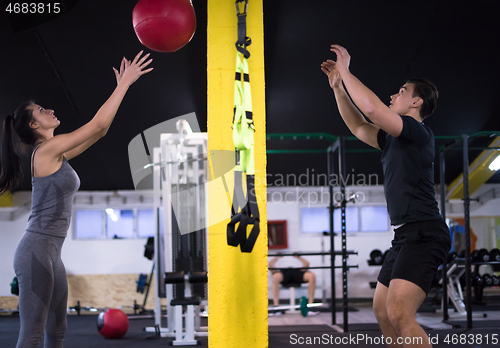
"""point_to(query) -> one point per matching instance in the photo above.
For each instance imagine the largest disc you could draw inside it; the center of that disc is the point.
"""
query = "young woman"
(43, 287)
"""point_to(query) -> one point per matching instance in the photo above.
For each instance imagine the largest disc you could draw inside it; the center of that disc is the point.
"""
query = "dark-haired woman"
(43, 287)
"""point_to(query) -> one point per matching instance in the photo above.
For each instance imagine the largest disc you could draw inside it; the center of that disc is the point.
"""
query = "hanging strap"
(249, 215)
(243, 139)
(243, 126)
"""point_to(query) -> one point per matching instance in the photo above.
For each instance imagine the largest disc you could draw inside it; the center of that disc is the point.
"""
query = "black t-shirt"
(408, 164)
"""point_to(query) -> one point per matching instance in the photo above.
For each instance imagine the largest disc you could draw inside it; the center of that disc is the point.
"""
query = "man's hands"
(333, 69)
(131, 71)
(343, 58)
(330, 69)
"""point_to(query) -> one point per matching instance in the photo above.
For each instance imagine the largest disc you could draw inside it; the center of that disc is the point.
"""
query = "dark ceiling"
(66, 64)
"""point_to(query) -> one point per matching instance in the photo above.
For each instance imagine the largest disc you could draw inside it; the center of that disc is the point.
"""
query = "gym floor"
(287, 330)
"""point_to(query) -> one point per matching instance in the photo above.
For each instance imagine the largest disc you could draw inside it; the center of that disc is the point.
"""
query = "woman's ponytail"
(11, 174)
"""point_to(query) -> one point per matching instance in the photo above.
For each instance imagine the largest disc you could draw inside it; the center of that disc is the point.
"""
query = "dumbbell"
(495, 281)
(477, 280)
(495, 254)
(451, 256)
(376, 257)
(462, 254)
(14, 287)
(481, 255)
(487, 280)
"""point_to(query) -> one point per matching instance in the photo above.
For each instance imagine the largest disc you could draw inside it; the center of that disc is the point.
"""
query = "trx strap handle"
(249, 215)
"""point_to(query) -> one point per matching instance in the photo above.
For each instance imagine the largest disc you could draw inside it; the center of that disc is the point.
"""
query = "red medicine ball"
(164, 25)
(112, 323)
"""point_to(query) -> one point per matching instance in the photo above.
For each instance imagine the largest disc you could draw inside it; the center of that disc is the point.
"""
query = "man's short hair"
(429, 94)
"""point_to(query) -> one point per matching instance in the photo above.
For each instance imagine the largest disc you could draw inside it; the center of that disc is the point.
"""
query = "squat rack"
(337, 145)
(464, 139)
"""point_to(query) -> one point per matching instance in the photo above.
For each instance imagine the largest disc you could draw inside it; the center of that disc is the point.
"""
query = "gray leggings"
(43, 290)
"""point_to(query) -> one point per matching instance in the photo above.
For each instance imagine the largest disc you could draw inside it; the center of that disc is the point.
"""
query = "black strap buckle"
(238, 7)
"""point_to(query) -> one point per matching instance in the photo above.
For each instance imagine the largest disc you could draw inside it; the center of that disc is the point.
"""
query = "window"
(358, 219)
(119, 223)
(88, 224)
(374, 219)
(114, 223)
(351, 220)
(146, 223)
(315, 220)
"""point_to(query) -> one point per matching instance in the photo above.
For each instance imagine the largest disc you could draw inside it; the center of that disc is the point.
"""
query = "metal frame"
(464, 138)
(172, 151)
(338, 144)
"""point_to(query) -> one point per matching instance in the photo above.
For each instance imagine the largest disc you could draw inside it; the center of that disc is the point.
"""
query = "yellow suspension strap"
(243, 139)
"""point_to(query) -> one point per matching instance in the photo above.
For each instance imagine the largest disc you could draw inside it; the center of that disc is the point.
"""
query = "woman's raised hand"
(131, 71)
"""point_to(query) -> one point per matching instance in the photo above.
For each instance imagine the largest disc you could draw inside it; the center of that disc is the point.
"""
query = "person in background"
(285, 276)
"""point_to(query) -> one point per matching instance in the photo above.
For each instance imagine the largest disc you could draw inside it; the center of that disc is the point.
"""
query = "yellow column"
(237, 286)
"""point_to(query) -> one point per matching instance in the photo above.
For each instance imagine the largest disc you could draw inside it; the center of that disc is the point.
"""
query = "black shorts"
(418, 249)
(291, 275)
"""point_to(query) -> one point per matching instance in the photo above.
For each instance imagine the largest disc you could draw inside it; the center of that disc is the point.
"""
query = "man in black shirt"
(421, 238)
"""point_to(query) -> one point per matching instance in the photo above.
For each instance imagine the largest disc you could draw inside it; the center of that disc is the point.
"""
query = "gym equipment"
(495, 255)
(336, 154)
(303, 304)
(477, 280)
(495, 281)
(304, 310)
(78, 308)
(376, 257)
(112, 323)
(164, 25)
(186, 338)
(243, 141)
(481, 255)
(14, 287)
(487, 280)
(455, 277)
(142, 283)
(338, 253)
(451, 256)
(149, 248)
(291, 288)
(313, 267)
(180, 175)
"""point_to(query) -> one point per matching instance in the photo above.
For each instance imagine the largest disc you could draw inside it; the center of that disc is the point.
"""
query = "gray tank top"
(52, 200)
